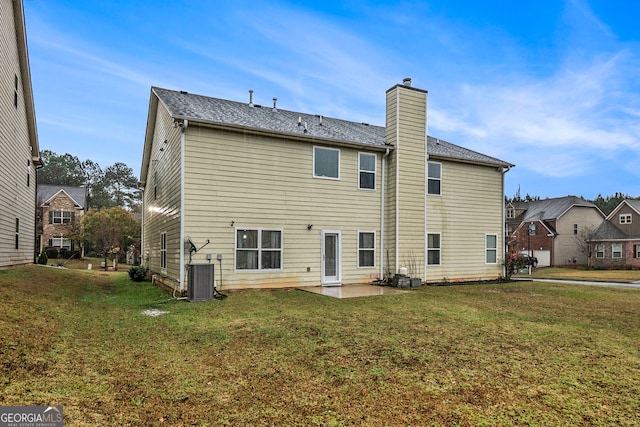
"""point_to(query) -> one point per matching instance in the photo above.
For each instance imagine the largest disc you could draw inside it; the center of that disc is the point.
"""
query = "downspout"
(504, 225)
(397, 157)
(382, 189)
(426, 184)
(185, 124)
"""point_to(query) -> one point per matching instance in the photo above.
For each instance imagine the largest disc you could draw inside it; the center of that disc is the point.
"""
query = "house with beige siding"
(19, 152)
(277, 198)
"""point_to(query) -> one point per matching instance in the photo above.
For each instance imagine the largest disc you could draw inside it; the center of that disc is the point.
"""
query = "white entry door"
(331, 258)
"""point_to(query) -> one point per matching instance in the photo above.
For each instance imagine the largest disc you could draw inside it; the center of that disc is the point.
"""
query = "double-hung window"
(366, 249)
(258, 249)
(60, 242)
(491, 249)
(625, 218)
(367, 171)
(616, 250)
(60, 217)
(326, 163)
(637, 251)
(599, 250)
(433, 249)
(434, 181)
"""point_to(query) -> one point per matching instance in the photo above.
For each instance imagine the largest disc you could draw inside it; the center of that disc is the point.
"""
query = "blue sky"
(551, 86)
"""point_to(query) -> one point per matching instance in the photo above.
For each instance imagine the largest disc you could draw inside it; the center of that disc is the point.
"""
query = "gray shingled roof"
(78, 194)
(183, 105)
(608, 231)
(550, 209)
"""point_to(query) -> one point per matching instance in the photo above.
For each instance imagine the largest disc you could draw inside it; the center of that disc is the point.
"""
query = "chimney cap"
(407, 81)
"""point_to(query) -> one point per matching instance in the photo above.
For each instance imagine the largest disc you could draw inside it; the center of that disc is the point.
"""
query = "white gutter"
(182, 193)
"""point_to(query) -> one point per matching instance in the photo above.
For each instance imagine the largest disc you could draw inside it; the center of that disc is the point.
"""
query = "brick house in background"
(616, 243)
(60, 208)
(554, 231)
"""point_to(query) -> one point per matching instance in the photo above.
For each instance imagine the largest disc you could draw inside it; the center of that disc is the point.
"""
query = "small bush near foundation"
(43, 259)
(138, 273)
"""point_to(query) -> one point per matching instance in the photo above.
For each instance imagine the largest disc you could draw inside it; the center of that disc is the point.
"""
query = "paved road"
(584, 282)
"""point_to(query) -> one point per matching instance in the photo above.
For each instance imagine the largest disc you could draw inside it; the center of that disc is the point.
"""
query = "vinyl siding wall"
(162, 210)
(236, 180)
(566, 246)
(17, 199)
(469, 208)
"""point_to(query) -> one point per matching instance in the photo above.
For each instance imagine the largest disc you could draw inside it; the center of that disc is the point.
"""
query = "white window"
(510, 213)
(533, 229)
(60, 217)
(61, 242)
(491, 249)
(367, 171)
(433, 249)
(616, 250)
(326, 163)
(366, 249)
(599, 251)
(163, 250)
(637, 251)
(625, 218)
(258, 249)
(434, 182)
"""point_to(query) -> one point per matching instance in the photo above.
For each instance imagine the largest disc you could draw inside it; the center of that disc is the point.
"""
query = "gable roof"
(551, 209)
(182, 105)
(47, 192)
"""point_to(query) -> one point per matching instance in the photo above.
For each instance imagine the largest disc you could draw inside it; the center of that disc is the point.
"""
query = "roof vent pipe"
(299, 120)
(407, 81)
(250, 97)
(305, 127)
(320, 120)
(274, 104)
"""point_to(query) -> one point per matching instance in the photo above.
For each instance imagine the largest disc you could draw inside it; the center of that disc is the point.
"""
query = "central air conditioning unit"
(200, 282)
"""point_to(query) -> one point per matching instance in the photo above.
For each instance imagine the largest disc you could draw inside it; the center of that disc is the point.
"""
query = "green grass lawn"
(510, 354)
(625, 276)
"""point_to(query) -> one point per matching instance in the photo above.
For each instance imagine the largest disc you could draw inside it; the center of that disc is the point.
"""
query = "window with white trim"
(616, 250)
(599, 250)
(258, 249)
(433, 249)
(60, 217)
(60, 242)
(326, 163)
(366, 249)
(491, 249)
(637, 251)
(163, 250)
(434, 181)
(367, 171)
(625, 218)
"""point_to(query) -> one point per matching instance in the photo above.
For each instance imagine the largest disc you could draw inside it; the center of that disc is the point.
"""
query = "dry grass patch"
(623, 276)
(519, 354)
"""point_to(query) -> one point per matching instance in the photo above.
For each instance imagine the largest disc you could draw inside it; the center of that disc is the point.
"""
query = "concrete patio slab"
(352, 291)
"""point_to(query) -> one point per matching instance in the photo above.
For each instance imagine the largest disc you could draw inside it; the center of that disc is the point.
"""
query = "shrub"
(513, 262)
(138, 273)
(43, 259)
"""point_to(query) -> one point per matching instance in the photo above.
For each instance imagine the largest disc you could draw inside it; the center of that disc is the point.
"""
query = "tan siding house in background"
(276, 198)
(19, 153)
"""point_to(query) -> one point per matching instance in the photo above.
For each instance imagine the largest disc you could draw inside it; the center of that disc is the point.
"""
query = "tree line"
(116, 185)
(605, 204)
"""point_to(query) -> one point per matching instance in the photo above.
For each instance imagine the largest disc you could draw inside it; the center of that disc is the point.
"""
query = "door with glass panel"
(331, 258)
